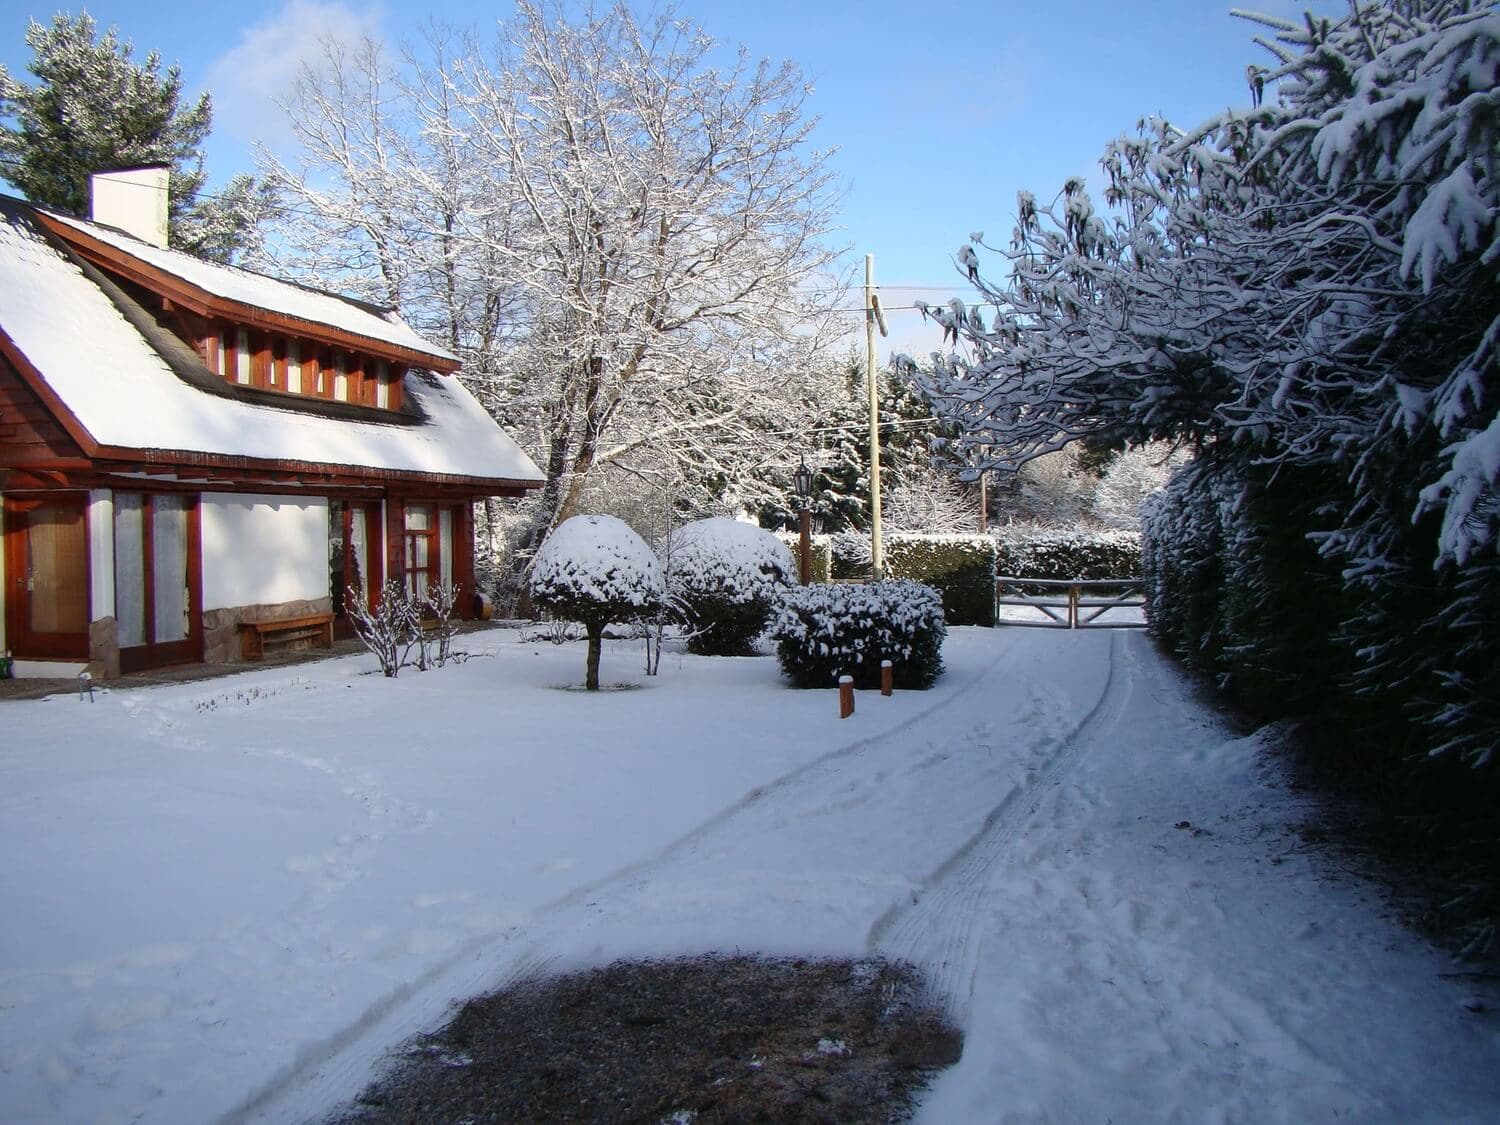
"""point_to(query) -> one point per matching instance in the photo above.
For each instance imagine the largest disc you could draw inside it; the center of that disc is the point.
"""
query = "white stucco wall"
(261, 550)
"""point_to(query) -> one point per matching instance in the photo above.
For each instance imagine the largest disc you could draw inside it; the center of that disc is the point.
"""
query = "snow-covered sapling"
(595, 570)
(728, 578)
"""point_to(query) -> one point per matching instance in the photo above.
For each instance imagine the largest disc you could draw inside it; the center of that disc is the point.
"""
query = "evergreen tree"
(93, 109)
(1305, 293)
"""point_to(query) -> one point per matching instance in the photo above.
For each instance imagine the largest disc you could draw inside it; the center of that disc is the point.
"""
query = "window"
(213, 352)
(294, 366)
(249, 357)
(241, 355)
(419, 535)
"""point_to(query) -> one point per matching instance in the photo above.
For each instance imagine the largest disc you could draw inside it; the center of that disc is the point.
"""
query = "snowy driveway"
(226, 900)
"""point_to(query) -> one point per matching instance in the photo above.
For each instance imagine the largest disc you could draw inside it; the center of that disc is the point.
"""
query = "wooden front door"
(47, 576)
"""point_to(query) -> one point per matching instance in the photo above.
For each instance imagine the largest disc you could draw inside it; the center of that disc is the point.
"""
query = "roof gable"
(125, 399)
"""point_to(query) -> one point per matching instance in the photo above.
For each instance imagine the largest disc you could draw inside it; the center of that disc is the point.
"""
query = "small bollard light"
(85, 685)
(886, 677)
(846, 696)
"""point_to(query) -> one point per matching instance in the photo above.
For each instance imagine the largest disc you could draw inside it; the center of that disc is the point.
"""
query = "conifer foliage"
(1306, 293)
(93, 109)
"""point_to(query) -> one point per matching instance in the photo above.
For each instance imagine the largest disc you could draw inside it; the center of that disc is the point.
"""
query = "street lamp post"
(802, 481)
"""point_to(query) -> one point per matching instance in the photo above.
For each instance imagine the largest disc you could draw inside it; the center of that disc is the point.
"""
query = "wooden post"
(846, 696)
(886, 676)
(804, 544)
(877, 550)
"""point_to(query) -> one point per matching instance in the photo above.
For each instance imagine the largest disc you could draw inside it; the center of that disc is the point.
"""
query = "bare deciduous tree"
(624, 241)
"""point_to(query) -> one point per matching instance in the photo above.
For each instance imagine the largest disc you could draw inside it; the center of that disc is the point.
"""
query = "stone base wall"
(221, 636)
(104, 649)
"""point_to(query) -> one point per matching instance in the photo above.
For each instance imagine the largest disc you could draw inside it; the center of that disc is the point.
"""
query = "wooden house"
(187, 448)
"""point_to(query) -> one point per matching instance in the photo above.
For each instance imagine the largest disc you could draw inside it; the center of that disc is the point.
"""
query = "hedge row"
(1045, 553)
(962, 568)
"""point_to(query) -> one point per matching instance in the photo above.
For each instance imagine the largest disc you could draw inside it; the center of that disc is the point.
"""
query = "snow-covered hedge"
(727, 577)
(960, 567)
(1236, 588)
(1086, 553)
(595, 570)
(820, 554)
(825, 631)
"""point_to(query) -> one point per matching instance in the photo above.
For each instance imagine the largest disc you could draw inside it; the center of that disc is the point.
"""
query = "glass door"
(156, 587)
(47, 572)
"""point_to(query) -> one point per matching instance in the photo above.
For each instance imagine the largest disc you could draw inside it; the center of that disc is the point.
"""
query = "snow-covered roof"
(123, 392)
(258, 291)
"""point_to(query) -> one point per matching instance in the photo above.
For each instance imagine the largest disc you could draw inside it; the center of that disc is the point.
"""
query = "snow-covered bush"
(822, 632)
(727, 578)
(960, 567)
(595, 570)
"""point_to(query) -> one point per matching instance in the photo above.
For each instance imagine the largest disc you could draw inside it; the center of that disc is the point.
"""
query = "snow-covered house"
(189, 450)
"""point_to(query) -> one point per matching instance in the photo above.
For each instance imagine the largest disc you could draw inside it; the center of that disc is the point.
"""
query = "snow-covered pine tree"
(93, 109)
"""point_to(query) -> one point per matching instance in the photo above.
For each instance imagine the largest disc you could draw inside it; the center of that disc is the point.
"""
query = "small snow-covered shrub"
(401, 621)
(822, 632)
(595, 570)
(727, 577)
(960, 567)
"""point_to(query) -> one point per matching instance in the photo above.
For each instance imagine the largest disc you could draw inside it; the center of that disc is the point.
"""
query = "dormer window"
(248, 357)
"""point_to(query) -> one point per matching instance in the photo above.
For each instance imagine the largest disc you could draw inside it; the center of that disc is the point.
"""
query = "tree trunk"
(596, 645)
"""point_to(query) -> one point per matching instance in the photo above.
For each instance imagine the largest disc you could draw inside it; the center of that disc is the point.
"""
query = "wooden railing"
(1071, 603)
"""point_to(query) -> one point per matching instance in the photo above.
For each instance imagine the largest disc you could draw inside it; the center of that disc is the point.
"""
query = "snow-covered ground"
(226, 900)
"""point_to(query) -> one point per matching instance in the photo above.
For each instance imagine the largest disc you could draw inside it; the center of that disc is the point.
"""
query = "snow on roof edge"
(260, 291)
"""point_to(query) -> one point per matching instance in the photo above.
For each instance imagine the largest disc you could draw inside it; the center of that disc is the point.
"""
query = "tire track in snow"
(338, 1064)
(937, 929)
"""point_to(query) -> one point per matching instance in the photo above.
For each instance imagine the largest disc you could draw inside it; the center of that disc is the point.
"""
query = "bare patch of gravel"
(704, 1040)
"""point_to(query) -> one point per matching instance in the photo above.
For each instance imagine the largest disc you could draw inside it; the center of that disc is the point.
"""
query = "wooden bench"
(287, 630)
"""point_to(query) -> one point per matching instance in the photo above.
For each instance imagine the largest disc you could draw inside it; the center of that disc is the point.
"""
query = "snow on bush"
(728, 577)
(822, 632)
(595, 570)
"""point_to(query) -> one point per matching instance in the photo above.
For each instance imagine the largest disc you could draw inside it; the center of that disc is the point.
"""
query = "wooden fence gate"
(1070, 603)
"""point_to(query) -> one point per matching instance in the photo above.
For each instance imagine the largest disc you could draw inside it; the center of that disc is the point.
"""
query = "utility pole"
(872, 315)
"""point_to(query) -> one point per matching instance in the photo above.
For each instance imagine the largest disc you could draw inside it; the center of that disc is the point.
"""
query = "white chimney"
(133, 200)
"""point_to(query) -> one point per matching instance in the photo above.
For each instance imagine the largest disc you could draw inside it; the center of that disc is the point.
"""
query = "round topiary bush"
(595, 570)
(822, 632)
(727, 578)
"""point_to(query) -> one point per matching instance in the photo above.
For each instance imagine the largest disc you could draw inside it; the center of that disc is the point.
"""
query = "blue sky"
(940, 111)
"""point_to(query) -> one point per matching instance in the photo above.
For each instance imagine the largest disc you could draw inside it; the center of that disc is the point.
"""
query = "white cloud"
(251, 76)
